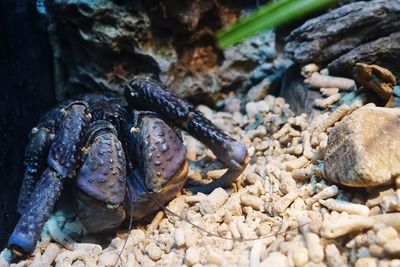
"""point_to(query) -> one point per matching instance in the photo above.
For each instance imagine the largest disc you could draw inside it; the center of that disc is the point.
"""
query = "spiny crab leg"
(149, 94)
(36, 154)
(35, 162)
(62, 163)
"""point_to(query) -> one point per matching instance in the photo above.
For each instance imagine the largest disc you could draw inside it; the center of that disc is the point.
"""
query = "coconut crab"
(120, 159)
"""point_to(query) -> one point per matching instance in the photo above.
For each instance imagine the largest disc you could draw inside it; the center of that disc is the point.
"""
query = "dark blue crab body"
(123, 162)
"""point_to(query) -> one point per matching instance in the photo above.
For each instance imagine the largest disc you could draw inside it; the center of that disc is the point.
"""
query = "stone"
(297, 94)
(377, 84)
(232, 105)
(266, 86)
(363, 31)
(254, 108)
(385, 235)
(379, 52)
(324, 38)
(393, 247)
(213, 201)
(375, 78)
(366, 262)
(100, 45)
(192, 256)
(275, 259)
(364, 148)
(179, 237)
(259, 91)
(153, 251)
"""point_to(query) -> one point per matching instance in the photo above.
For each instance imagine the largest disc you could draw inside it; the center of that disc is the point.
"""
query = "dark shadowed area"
(25, 94)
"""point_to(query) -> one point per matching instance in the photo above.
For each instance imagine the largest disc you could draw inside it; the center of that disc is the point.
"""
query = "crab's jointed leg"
(36, 154)
(63, 160)
(151, 95)
(35, 162)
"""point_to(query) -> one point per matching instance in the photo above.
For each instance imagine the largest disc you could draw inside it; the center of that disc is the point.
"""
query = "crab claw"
(149, 94)
(160, 168)
(101, 180)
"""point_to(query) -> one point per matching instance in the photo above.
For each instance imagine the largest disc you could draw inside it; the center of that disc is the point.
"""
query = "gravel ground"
(280, 212)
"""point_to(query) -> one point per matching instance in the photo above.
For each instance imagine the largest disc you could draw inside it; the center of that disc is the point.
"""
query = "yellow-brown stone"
(364, 148)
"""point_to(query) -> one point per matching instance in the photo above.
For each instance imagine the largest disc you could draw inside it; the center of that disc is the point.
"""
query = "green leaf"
(270, 15)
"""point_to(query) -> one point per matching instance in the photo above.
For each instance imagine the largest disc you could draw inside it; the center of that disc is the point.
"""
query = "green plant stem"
(270, 15)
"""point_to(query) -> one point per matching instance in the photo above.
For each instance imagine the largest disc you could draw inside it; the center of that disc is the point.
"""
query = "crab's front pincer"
(152, 95)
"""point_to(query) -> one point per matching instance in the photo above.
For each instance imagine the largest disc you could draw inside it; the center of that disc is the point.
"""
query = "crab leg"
(149, 94)
(35, 162)
(63, 160)
(36, 154)
(26, 233)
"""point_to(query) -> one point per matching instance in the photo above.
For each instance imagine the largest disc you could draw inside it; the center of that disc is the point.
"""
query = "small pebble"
(213, 201)
(154, 251)
(192, 256)
(179, 237)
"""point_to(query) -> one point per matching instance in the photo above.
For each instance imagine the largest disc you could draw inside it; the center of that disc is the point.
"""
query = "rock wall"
(363, 31)
(99, 45)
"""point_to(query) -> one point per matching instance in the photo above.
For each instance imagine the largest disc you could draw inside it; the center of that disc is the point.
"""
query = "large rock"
(324, 38)
(101, 44)
(365, 31)
(364, 148)
(383, 52)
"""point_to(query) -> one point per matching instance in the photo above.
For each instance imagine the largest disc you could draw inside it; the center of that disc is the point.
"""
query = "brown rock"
(364, 148)
(324, 38)
(100, 45)
(380, 52)
(375, 78)
(393, 247)
(362, 31)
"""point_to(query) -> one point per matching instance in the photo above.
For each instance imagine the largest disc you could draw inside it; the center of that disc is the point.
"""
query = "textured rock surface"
(381, 52)
(326, 37)
(377, 82)
(375, 78)
(298, 94)
(98, 45)
(364, 148)
(347, 35)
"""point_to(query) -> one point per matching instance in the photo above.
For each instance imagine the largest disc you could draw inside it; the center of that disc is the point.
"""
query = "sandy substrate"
(280, 212)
